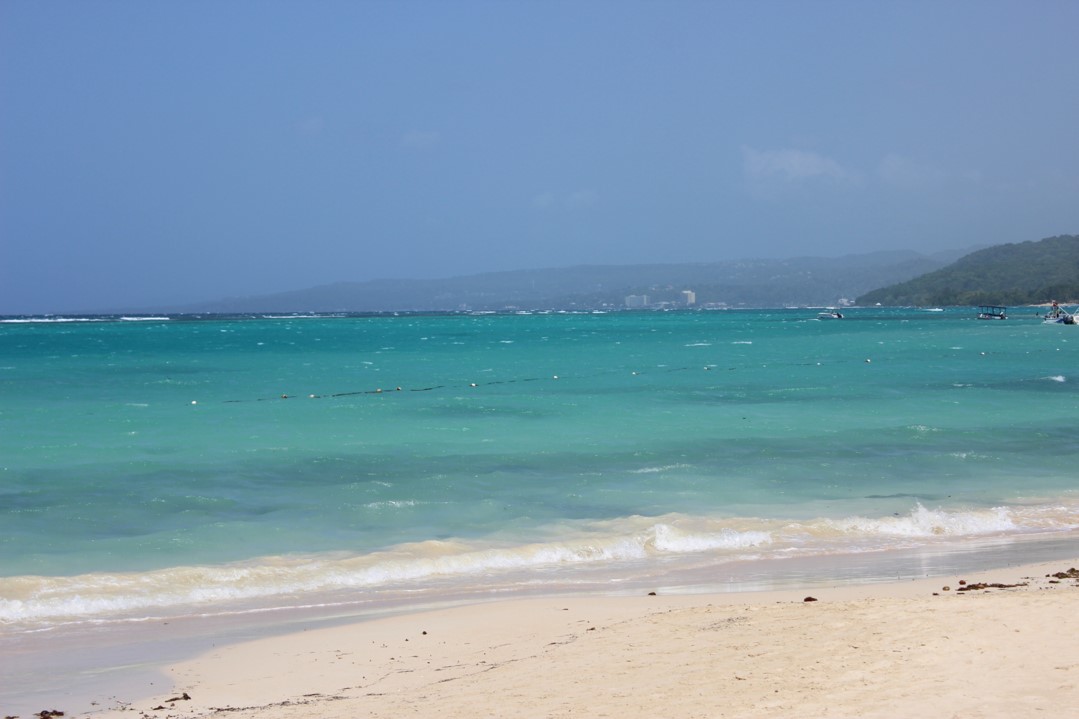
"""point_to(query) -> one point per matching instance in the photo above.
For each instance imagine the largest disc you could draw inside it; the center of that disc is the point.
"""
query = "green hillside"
(752, 283)
(1012, 274)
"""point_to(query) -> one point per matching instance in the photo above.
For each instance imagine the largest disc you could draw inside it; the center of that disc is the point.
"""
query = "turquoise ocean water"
(179, 466)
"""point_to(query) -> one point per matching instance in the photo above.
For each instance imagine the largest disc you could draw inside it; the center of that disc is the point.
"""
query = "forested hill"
(1013, 274)
(753, 283)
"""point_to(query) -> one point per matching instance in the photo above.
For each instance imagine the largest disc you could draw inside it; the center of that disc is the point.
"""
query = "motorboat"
(992, 312)
(830, 314)
(1059, 316)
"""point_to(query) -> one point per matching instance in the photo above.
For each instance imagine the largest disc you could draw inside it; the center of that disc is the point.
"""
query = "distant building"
(689, 297)
(635, 302)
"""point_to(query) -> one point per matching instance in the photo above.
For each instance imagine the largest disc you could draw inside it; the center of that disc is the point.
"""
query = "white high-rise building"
(689, 297)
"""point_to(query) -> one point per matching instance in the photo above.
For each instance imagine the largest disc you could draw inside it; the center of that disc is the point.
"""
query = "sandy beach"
(948, 647)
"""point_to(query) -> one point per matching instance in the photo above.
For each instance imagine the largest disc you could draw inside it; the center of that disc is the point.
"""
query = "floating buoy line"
(476, 385)
(470, 385)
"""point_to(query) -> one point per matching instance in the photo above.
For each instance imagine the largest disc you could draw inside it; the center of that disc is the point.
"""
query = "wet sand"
(934, 647)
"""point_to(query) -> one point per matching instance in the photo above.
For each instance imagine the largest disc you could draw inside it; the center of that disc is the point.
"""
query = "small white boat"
(830, 314)
(1060, 316)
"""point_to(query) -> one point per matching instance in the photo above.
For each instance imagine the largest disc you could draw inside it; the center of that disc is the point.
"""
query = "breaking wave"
(614, 545)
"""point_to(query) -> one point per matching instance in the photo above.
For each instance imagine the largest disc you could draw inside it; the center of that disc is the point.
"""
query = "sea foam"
(31, 600)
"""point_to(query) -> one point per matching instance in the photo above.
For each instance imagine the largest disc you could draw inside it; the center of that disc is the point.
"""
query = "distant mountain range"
(804, 281)
(1012, 274)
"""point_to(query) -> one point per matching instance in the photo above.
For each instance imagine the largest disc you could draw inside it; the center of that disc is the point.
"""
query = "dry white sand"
(887, 650)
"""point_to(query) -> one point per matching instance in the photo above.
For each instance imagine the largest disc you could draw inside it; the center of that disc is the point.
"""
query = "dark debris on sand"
(1055, 578)
(977, 586)
(185, 697)
(1072, 573)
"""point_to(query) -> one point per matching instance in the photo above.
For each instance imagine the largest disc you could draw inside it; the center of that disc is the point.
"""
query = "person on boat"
(1055, 311)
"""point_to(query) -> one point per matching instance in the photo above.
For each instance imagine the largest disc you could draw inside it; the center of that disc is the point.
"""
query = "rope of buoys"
(473, 385)
(423, 389)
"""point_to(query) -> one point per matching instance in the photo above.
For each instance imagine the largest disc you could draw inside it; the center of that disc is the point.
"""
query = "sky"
(154, 154)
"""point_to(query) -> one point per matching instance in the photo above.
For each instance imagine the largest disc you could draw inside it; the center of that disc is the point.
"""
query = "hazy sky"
(155, 153)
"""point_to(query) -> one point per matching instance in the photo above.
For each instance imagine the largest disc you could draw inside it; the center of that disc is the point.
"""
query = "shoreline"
(650, 655)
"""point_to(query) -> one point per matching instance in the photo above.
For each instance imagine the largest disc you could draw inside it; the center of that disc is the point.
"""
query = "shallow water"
(200, 466)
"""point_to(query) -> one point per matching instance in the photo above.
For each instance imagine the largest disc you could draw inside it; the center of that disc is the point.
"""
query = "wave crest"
(613, 547)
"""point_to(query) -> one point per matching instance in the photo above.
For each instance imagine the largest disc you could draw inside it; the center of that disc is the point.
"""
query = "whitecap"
(670, 539)
(922, 522)
(654, 470)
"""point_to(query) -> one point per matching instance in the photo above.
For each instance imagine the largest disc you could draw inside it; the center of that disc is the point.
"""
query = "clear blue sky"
(157, 153)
